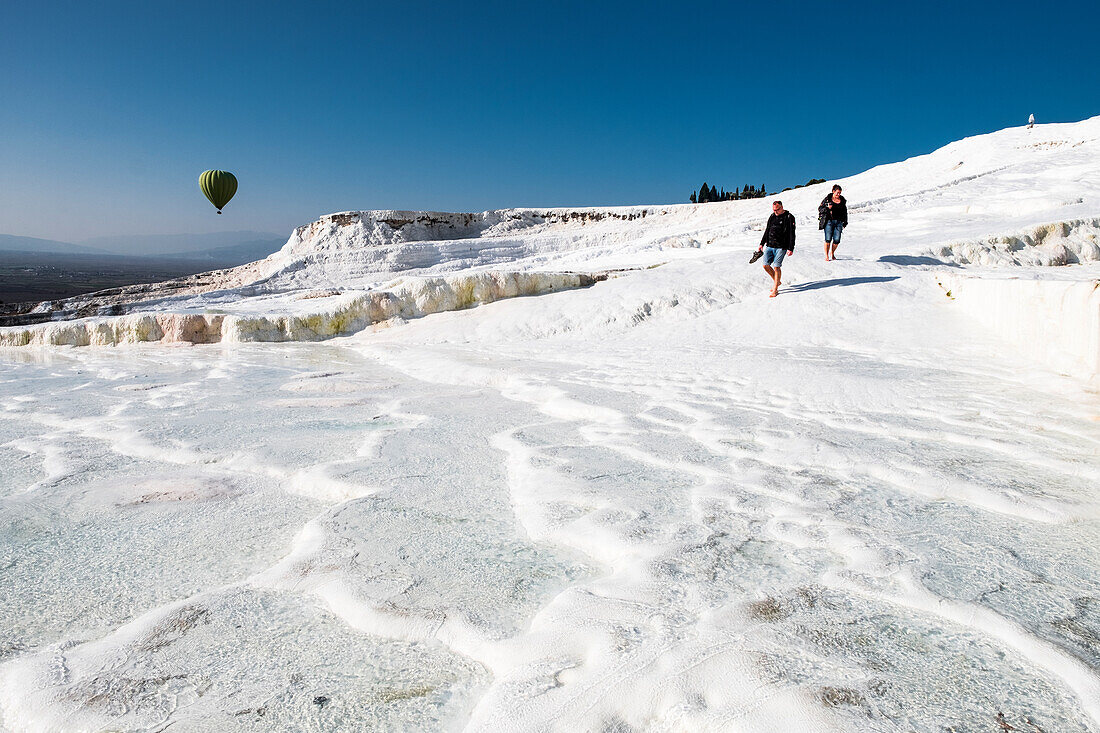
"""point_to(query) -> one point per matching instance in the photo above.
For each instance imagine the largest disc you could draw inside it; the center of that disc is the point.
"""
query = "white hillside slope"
(1016, 197)
(655, 501)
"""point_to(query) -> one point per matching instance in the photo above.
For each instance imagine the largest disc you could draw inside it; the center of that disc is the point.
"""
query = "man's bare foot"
(773, 293)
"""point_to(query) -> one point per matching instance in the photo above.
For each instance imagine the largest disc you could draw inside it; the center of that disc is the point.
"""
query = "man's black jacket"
(779, 232)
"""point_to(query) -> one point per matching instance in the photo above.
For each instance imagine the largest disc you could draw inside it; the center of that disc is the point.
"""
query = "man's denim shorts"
(774, 256)
(833, 228)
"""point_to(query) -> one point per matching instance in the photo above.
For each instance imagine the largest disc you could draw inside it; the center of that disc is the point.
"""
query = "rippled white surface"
(815, 519)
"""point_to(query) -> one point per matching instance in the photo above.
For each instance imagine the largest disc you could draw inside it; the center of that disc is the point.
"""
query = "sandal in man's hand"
(756, 255)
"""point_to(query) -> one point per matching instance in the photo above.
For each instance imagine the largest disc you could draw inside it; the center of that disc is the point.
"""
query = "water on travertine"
(647, 534)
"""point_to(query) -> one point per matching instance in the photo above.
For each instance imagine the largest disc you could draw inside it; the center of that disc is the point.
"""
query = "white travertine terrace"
(666, 502)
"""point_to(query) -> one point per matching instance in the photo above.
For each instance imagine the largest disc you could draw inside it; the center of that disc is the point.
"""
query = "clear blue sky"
(110, 110)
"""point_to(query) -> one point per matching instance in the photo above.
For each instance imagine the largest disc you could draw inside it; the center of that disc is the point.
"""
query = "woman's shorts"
(833, 228)
(774, 256)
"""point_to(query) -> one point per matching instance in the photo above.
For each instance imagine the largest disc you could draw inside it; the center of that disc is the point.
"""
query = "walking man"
(777, 243)
(832, 216)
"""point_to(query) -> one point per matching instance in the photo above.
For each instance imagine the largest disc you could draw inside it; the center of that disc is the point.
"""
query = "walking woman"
(832, 216)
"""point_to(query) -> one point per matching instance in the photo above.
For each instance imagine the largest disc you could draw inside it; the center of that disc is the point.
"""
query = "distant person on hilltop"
(1030, 121)
(832, 216)
(777, 243)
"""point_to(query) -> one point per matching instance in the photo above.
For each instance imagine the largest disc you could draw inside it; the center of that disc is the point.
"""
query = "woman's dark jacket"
(839, 212)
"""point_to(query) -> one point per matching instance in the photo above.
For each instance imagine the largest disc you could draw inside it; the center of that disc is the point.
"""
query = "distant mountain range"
(12, 243)
(219, 249)
(237, 253)
(177, 244)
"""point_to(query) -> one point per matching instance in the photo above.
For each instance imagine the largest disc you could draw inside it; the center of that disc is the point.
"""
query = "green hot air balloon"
(219, 187)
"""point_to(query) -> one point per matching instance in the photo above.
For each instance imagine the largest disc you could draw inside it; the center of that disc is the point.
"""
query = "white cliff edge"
(335, 313)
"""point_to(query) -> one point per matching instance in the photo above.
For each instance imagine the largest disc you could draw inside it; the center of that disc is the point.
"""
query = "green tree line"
(707, 193)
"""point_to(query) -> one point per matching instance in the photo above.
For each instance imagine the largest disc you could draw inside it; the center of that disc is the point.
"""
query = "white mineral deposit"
(573, 470)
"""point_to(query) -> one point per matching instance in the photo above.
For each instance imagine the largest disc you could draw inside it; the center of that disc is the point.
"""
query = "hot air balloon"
(219, 187)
